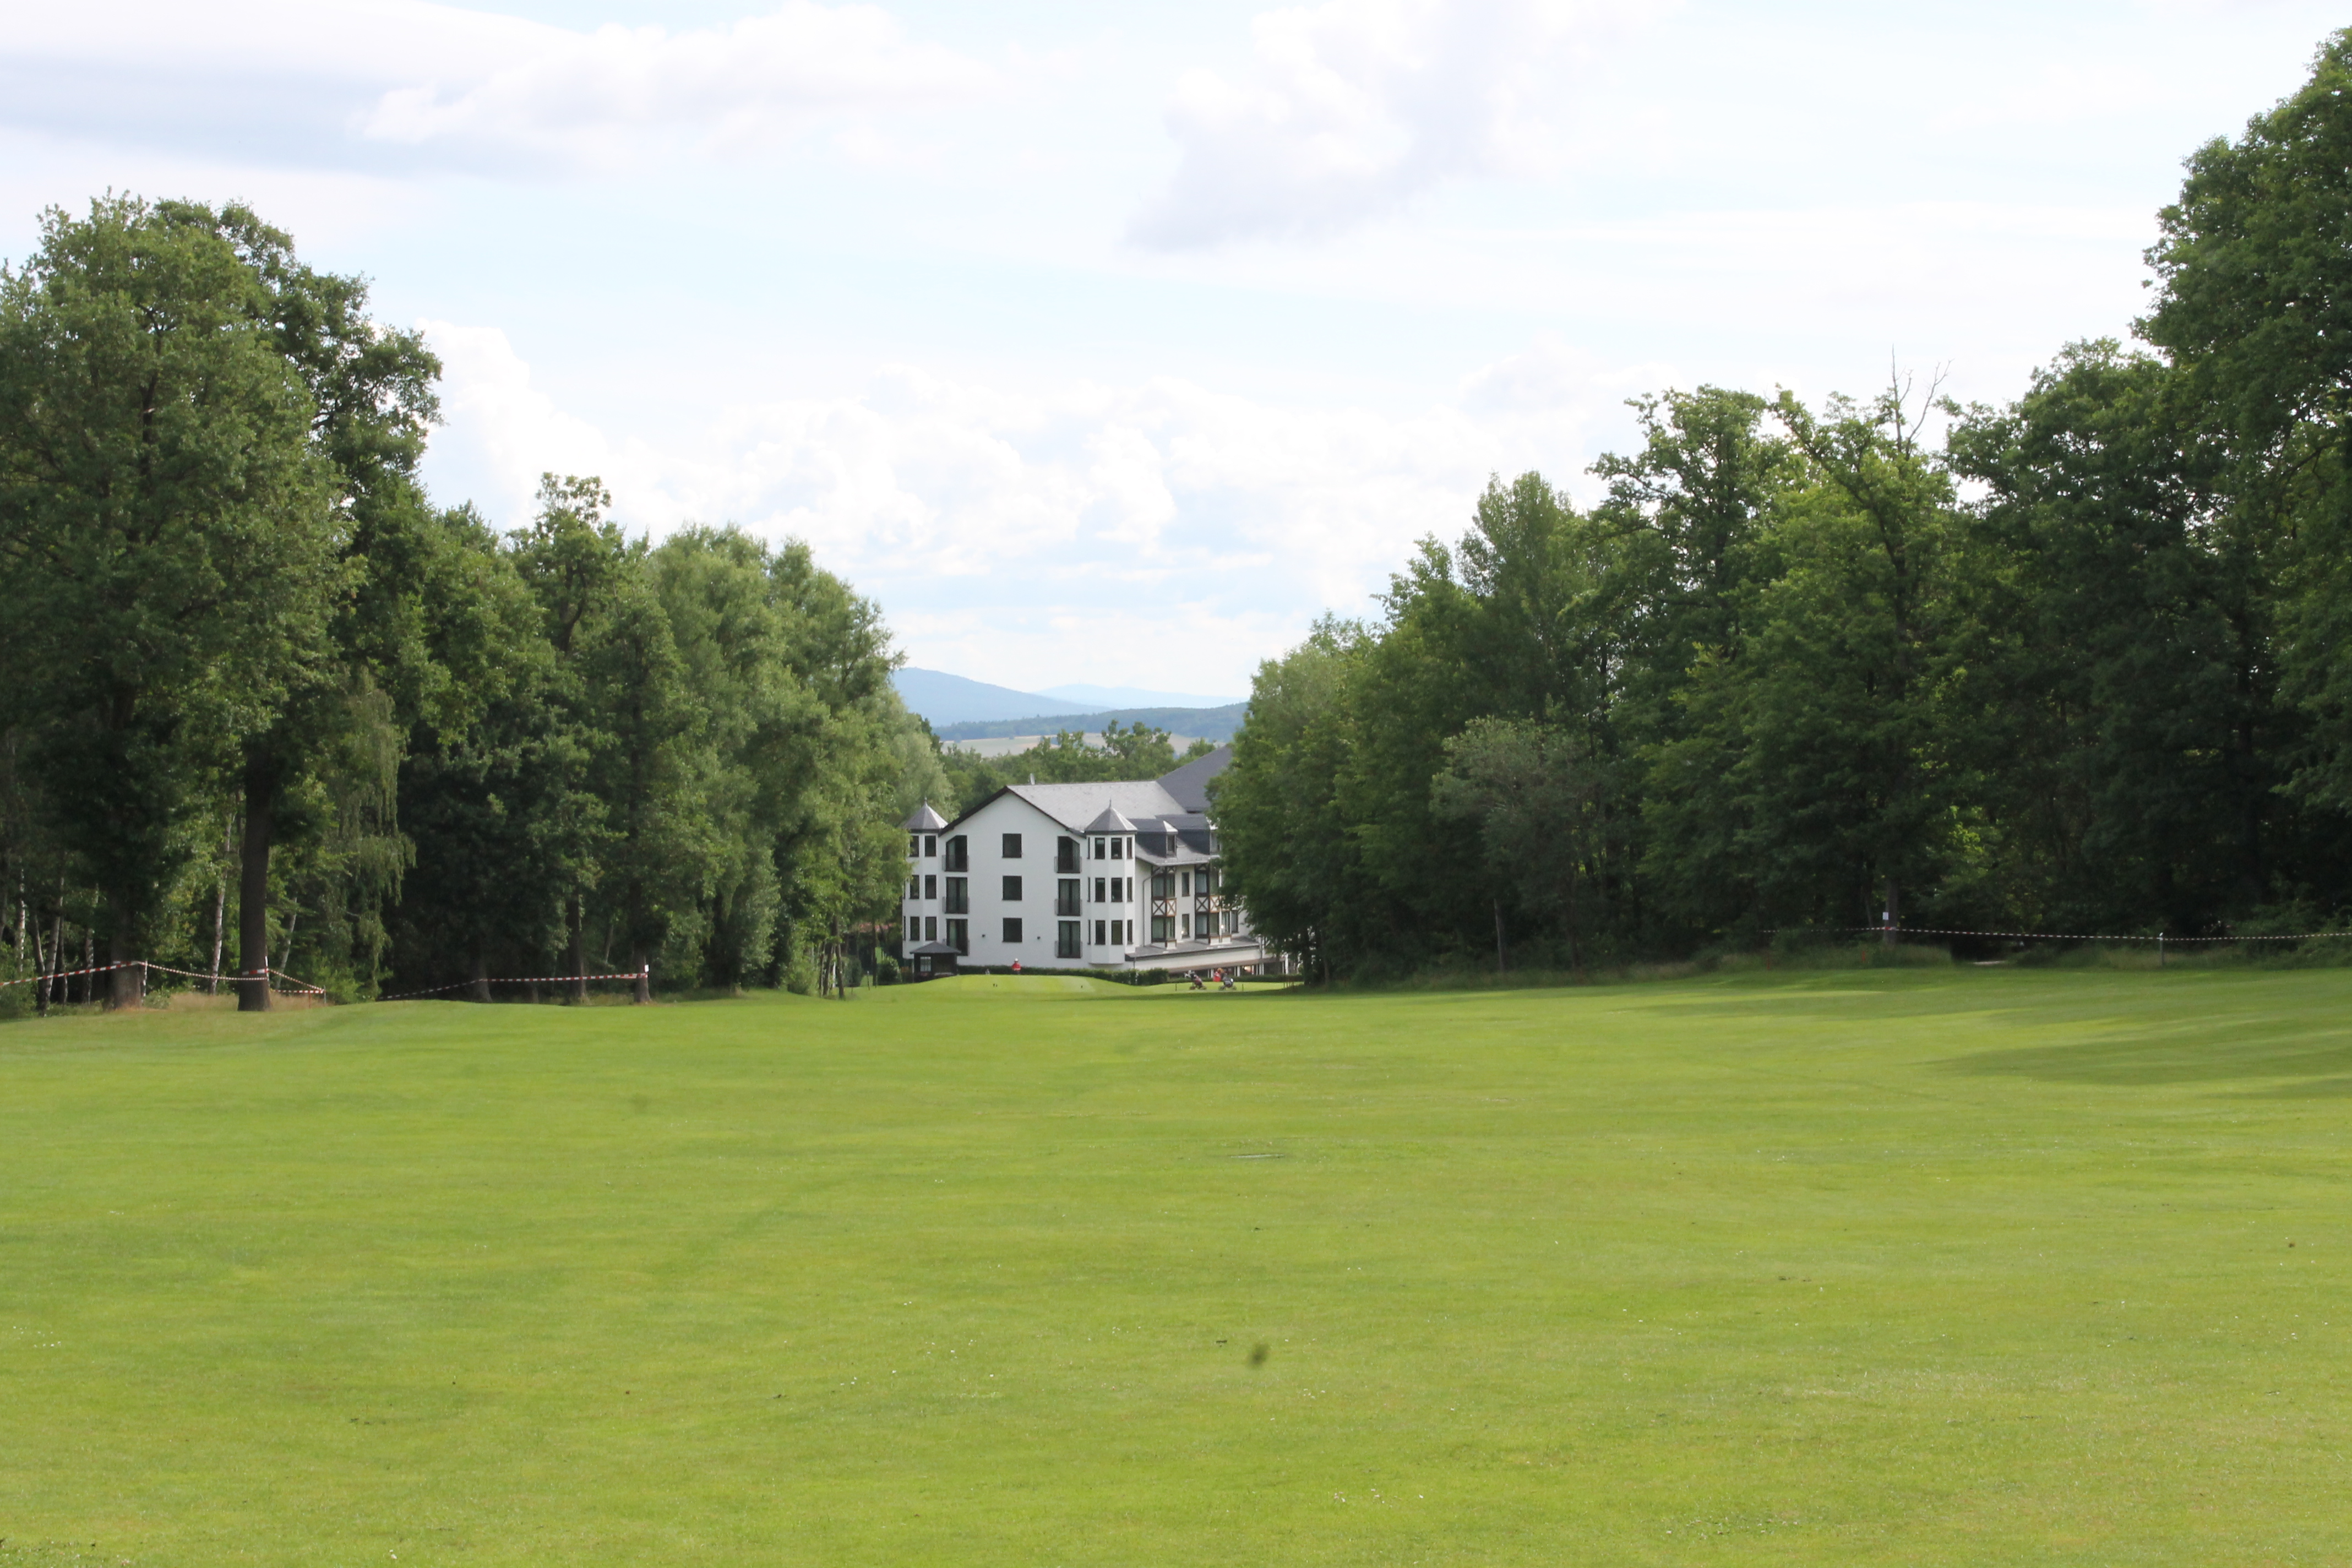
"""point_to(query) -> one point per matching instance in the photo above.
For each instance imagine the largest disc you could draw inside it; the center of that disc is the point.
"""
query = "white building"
(1076, 875)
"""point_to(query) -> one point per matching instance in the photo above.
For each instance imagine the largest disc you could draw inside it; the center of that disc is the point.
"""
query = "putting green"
(1920, 1267)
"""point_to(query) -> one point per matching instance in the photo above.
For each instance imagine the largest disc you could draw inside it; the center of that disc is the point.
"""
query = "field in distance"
(1909, 1266)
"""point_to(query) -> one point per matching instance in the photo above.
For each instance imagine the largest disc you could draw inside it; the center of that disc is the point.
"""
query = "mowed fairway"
(1932, 1267)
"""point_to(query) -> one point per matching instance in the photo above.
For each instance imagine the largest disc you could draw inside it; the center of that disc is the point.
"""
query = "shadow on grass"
(2316, 1058)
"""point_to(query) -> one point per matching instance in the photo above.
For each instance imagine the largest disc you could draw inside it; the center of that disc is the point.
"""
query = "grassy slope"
(1949, 1267)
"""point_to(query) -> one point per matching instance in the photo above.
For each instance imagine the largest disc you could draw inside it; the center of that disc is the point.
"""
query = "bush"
(885, 970)
(800, 975)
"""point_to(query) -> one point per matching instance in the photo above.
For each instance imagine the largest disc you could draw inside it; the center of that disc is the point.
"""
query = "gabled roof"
(1076, 805)
(1189, 783)
(1180, 793)
(925, 821)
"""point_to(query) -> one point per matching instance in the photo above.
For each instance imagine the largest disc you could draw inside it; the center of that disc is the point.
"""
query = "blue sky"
(1114, 342)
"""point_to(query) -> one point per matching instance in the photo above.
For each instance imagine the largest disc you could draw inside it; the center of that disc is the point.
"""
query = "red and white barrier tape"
(646, 972)
(293, 988)
(2054, 936)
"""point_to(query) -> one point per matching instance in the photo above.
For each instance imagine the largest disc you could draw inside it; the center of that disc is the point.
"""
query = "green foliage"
(168, 540)
(266, 705)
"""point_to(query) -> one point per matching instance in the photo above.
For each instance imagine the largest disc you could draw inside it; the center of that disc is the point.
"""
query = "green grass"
(1908, 1266)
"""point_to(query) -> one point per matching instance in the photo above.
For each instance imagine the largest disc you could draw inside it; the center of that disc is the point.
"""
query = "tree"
(2253, 303)
(335, 743)
(1532, 792)
(168, 538)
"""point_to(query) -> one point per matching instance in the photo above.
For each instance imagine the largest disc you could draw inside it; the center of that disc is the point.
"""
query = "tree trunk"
(42, 960)
(1502, 958)
(253, 884)
(220, 914)
(644, 976)
(579, 949)
(56, 985)
(481, 990)
(125, 981)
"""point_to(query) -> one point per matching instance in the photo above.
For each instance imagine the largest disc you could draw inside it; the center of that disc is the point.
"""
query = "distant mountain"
(1193, 723)
(945, 698)
(1083, 696)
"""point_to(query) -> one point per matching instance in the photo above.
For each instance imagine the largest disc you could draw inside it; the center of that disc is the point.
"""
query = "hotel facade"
(1076, 875)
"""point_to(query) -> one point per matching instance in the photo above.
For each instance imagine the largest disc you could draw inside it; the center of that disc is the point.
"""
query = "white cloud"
(401, 81)
(1134, 520)
(501, 431)
(617, 93)
(1351, 108)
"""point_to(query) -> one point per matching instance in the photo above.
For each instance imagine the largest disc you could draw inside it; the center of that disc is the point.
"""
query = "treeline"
(1127, 751)
(264, 705)
(2076, 664)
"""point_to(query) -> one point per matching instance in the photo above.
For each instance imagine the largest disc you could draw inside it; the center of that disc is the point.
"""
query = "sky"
(1115, 342)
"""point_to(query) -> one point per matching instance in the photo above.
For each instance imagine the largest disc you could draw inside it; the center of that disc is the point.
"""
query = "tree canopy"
(2078, 663)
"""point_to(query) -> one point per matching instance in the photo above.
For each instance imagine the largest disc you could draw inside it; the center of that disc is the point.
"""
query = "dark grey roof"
(1110, 821)
(933, 949)
(1175, 838)
(1189, 783)
(926, 820)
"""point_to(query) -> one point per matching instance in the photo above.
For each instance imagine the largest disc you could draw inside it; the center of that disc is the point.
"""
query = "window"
(1067, 940)
(1065, 854)
(914, 928)
(914, 845)
(1208, 879)
(1012, 846)
(1118, 848)
(930, 928)
(958, 853)
(1187, 926)
(1100, 852)
(1118, 889)
(931, 844)
(914, 886)
(930, 887)
(1098, 891)
(1013, 931)
(959, 936)
(1164, 884)
(1066, 903)
(1122, 931)
(1011, 889)
(1188, 884)
(1099, 937)
(959, 897)
(1163, 927)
